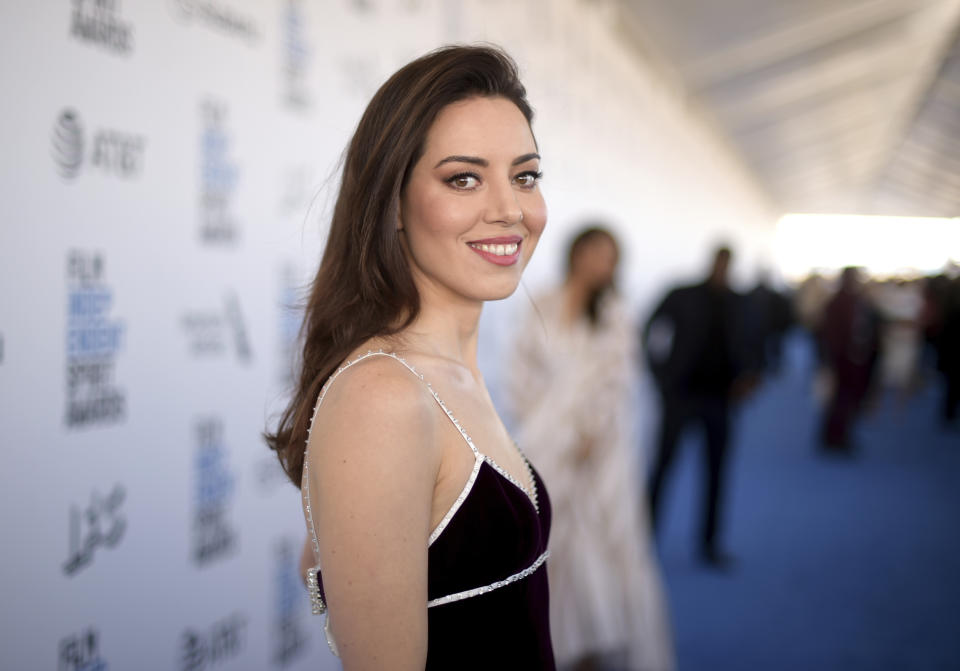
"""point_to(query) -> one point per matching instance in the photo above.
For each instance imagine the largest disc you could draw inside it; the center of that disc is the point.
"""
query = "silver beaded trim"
(477, 591)
(318, 607)
(435, 534)
(512, 480)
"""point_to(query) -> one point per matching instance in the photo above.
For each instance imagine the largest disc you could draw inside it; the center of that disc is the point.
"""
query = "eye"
(464, 181)
(528, 179)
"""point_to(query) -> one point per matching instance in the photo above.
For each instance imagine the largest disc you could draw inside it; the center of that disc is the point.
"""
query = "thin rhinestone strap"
(477, 591)
(319, 607)
(435, 534)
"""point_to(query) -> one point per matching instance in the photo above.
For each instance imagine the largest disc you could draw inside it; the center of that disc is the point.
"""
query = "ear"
(399, 219)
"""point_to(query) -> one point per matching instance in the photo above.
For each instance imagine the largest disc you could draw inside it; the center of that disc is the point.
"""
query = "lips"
(501, 251)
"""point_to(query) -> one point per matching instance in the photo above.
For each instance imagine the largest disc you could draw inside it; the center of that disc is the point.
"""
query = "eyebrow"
(476, 160)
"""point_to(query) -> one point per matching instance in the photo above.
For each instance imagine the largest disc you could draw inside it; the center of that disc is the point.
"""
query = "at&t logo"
(111, 152)
(68, 144)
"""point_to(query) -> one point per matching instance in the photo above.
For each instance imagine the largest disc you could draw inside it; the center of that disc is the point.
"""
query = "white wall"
(165, 122)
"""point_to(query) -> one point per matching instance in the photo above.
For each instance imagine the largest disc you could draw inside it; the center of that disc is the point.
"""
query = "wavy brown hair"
(364, 287)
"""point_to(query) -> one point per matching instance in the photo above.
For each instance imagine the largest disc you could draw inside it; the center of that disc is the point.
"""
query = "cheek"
(535, 216)
(436, 215)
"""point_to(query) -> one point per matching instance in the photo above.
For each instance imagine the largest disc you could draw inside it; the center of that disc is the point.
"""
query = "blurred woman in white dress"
(570, 382)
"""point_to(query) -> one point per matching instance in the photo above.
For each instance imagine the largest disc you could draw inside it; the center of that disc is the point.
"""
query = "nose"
(503, 206)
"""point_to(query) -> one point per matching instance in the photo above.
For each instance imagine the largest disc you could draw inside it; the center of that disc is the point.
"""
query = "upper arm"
(373, 466)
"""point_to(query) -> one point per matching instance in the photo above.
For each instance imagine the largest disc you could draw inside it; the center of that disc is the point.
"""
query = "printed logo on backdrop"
(209, 648)
(219, 175)
(98, 524)
(81, 652)
(290, 604)
(94, 340)
(99, 22)
(296, 56)
(217, 15)
(68, 144)
(111, 152)
(215, 333)
(214, 537)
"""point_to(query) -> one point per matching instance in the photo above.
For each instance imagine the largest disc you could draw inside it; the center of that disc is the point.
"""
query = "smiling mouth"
(508, 249)
(500, 251)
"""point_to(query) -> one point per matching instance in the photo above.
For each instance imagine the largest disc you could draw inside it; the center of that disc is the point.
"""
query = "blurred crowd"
(707, 347)
(876, 334)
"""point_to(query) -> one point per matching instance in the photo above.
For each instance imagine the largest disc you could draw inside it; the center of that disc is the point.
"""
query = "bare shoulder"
(375, 408)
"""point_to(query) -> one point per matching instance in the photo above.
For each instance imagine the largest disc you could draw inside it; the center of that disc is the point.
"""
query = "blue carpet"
(843, 564)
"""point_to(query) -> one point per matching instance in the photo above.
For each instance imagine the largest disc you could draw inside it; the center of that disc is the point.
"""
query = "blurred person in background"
(948, 350)
(810, 301)
(570, 382)
(900, 303)
(849, 342)
(935, 293)
(696, 350)
(768, 316)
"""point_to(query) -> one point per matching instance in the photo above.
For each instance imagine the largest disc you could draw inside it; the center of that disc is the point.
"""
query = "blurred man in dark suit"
(695, 349)
(850, 343)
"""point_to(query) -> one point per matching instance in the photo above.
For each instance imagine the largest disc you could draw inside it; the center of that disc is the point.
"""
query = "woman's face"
(595, 262)
(472, 212)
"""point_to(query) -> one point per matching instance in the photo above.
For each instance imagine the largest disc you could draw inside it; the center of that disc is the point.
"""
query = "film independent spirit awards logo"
(214, 537)
(219, 175)
(94, 340)
(111, 152)
(296, 56)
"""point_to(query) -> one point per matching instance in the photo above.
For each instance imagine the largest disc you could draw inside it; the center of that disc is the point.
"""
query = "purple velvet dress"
(488, 600)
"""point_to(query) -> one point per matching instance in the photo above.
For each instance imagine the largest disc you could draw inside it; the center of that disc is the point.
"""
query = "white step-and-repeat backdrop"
(167, 167)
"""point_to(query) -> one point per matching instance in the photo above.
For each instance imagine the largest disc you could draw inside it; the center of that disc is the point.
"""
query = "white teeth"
(497, 250)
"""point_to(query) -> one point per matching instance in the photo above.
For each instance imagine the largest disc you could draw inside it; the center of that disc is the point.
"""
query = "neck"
(447, 326)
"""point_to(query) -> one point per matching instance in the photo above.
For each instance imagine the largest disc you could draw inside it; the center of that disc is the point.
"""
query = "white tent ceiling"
(835, 105)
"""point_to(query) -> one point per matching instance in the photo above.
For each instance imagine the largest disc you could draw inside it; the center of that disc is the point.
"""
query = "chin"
(496, 292)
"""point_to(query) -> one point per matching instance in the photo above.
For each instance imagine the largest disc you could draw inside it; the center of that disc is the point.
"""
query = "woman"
(427, 528)
(570, 387)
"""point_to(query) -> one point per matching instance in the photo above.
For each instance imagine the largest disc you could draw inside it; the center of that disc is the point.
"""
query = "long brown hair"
(364, 287)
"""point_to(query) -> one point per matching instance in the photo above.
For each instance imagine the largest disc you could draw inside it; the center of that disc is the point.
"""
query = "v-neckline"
(532, 494)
